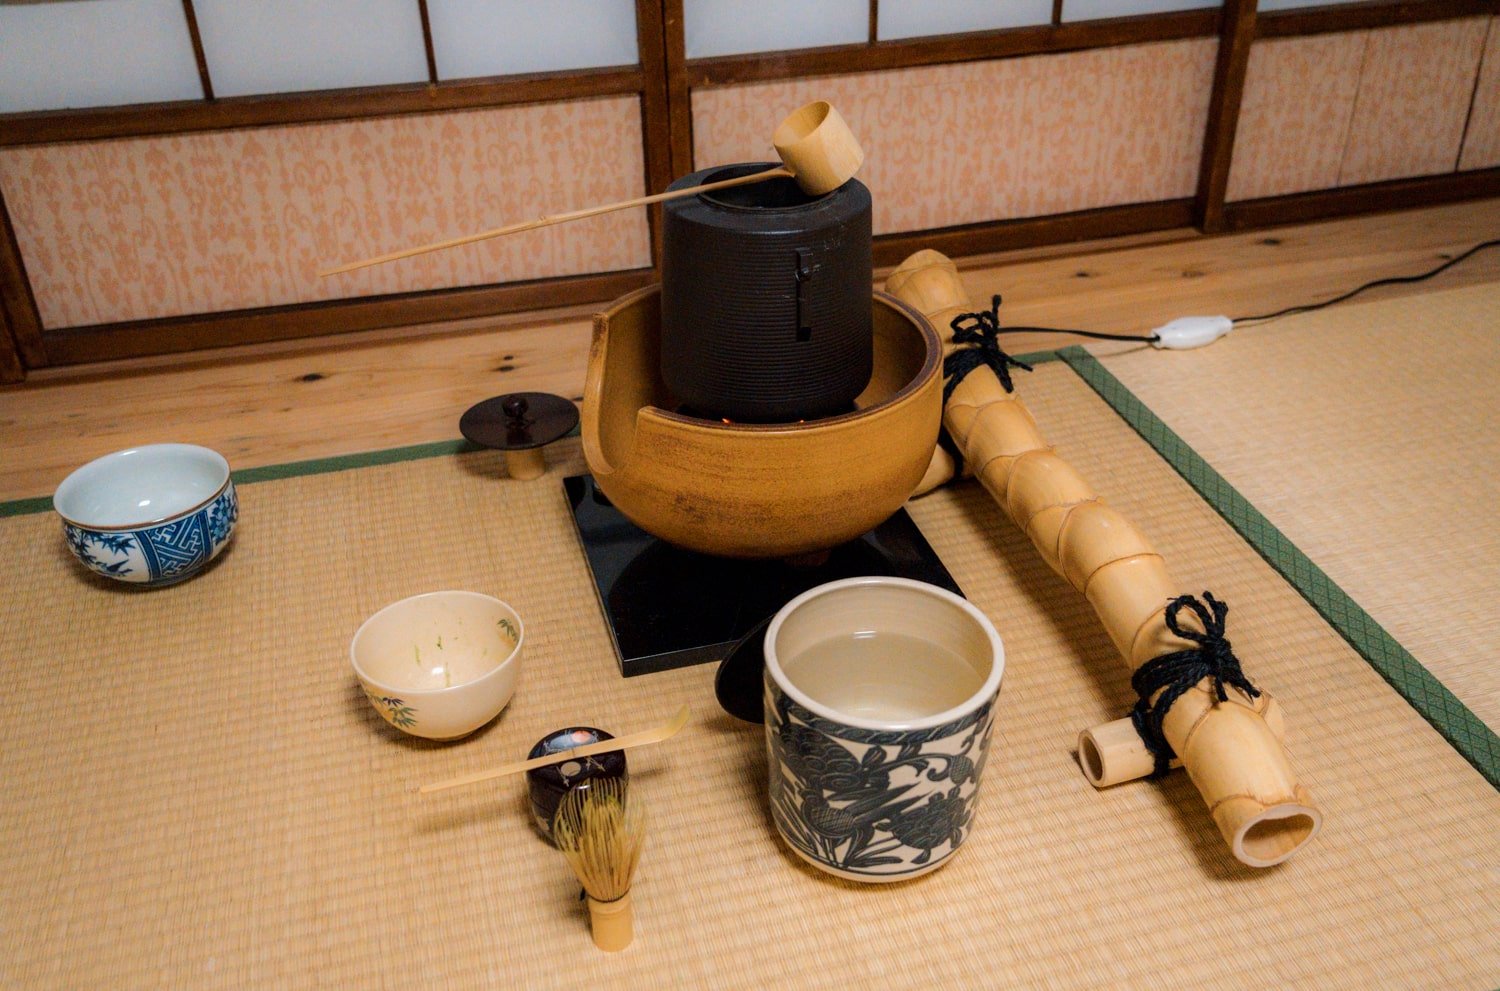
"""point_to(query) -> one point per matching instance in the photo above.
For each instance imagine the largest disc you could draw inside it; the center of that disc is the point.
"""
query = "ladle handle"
(562, 218)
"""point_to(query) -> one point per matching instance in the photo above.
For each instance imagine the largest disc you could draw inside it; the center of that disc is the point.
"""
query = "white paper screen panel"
(95, 53)
(283, 46)
(918, 18)
(498, 37)
(730, 27)
(1088, 10)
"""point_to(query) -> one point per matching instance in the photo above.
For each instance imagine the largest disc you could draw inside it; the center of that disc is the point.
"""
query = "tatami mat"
(1369, 433)
(198, 794)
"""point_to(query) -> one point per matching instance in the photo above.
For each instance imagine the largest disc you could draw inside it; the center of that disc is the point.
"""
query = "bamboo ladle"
(817, 149)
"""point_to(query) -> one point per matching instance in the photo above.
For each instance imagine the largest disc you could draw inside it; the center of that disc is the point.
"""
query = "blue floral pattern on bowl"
(162, 554)
(873, 804)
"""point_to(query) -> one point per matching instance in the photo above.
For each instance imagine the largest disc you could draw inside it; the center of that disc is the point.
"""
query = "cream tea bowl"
(879, 700)
(439, 665)
(151, 515)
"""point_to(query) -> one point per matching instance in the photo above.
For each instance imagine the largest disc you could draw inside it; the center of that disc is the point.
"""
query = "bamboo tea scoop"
(664, 731)
(815, 144)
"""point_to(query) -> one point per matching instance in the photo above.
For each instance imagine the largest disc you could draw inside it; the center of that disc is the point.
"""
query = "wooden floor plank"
(298, 400)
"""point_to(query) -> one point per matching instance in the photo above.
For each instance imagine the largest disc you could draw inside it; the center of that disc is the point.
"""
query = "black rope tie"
(981, 329)
(1174, 674)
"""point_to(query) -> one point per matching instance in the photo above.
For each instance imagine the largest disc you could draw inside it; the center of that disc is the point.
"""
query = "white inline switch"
(1191, 332)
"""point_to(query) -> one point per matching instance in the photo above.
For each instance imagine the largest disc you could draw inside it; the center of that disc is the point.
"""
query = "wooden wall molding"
(1236, 34)
(656, 132)
(1362, 16)
(1375, 197)
(651, 43)
(172, 335)
(1040, 39)
(1029, 232)
(679, 93)
(143, 120)
(11, 369)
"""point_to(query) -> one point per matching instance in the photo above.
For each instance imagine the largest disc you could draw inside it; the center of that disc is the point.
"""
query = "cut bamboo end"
(612, 923)
(527, 464)
(1265, 834)
(929, 281)
(1113, 753)
(1241, 769)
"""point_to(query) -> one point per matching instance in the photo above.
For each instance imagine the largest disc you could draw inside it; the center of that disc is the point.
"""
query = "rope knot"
(1174, 674)
(982, 330)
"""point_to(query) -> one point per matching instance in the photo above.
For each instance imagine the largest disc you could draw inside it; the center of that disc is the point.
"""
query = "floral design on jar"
(869, 801)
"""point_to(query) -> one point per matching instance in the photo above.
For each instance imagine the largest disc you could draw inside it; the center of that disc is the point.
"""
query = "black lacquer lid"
(547, 785)
(518, 421)
(739, 684)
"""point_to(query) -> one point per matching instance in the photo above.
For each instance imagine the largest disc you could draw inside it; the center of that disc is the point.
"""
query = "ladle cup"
(816, 147)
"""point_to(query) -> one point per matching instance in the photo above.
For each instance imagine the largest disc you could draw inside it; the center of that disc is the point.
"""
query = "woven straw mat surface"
(1369, 434)
(198, 794)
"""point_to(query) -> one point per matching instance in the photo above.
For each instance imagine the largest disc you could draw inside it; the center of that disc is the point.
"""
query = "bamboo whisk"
(601, 830)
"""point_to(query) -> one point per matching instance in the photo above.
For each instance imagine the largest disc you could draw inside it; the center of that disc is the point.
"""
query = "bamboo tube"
(928, 287)
(526, 464)
(1113, 753)
(1231, 752)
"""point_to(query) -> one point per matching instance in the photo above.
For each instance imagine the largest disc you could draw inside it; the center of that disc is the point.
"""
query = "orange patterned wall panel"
(1364, 106)
(1025, 137)
(1294, 116)
(1413, 100)
(1482, 140)
(138, 228)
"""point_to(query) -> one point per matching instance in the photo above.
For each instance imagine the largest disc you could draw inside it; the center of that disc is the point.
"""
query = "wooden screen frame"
(28, 344)
(1237, 24)
(664, 79)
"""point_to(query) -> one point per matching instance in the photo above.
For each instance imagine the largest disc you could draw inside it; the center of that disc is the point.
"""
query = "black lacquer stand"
(668, 608)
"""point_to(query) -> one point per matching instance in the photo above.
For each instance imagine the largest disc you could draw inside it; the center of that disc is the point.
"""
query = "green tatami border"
(293, 469)
(1420, 687)
(1422, 690)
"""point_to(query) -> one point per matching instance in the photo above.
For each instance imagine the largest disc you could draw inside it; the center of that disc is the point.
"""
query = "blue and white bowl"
(152, 515)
